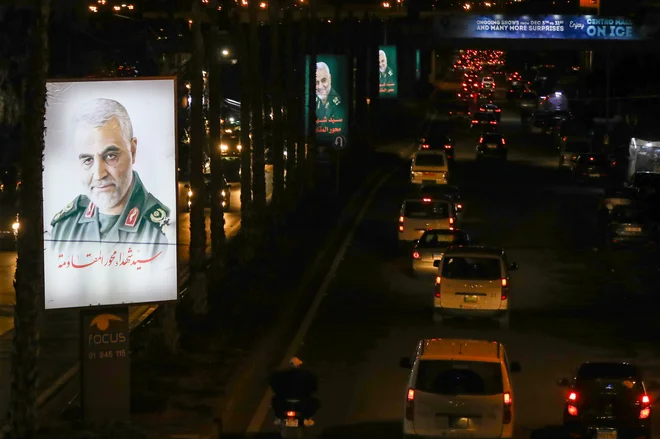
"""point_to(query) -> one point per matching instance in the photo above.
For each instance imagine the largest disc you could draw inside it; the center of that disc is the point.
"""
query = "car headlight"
(224, 148)
(239, 147)
(16, 226)
(190, 193)
(224, 194)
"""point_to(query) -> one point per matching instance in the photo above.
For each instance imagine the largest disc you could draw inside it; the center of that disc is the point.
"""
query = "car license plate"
(606, 433)
(471, 299)
(291, 423)
(491, 146)
(633, 229)
(594, 175)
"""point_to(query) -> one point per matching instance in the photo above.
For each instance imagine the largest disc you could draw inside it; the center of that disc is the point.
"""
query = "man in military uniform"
(330, 110)
(115, 207)
(387, 80)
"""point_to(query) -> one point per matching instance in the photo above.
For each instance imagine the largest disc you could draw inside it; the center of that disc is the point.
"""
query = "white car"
(459, 389)
(418, 215)
(472, 281)
(488, 82)
(429, 167)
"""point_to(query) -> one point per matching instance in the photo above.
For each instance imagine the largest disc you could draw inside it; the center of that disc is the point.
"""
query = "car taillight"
(425, 146)
(498, 110)
(475, 121)
(447, 146)
(572, 410)
(493, 122)
(507, 415)
(645, 411)
(400, 224)
(438, 282)
(459, 207)
(572, 396)
(646, 399)
(410, 405)
(415, 255)
(503, 142)
(451, 220)
(505, 289)
(291, 414)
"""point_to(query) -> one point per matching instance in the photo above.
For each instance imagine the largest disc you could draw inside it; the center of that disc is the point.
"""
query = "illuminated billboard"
(568, 27)
(387, 72)
(109, 192)
(331, 100)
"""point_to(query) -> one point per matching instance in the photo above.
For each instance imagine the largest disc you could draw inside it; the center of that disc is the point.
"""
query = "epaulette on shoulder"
(69, 210)
(336, 100)
(159, 215)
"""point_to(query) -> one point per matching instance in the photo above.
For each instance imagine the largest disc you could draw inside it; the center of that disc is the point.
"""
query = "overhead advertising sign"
(568, 27)
(590, 4)
(109, 193)
(331, 97)
(387, 72)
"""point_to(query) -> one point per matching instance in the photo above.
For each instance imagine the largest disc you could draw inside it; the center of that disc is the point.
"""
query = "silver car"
(431, 245)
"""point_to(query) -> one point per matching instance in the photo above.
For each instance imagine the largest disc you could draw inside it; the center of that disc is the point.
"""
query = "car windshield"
(466, 267)
(420, 209)
(624, 213)
(430, 160)
(451, 377)
(438, 239)
(492, 138)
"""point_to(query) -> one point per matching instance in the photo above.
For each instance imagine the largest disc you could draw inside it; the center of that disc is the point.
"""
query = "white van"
(418, 215)
(459, 389)
(472, 281)
(429, 167)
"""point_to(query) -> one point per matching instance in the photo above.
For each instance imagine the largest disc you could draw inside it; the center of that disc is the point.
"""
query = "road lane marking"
(264, 406)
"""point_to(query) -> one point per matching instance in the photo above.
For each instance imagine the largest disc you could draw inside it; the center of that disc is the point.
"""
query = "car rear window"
(593, 160)
(625, 213)
(490, 138)
(438, 239)
(430, 160)
(484, 116)
(577, 147)
(465, 267)
(418, 209)
(449, 377)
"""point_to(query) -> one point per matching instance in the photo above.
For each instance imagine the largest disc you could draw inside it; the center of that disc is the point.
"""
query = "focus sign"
(105, 365)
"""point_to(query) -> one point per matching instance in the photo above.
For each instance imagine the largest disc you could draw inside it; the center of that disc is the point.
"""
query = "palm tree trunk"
(198, 288)
(218, 237)
(258, 156)
(292, 114)
(246, 141)
(277, 93)
(305, 87)
(311, 134)
(29, 268)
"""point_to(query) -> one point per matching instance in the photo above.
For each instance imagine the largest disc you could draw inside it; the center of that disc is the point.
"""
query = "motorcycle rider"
(298, 384)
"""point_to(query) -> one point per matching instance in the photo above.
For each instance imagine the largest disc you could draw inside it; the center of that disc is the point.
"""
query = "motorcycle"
(292, 424)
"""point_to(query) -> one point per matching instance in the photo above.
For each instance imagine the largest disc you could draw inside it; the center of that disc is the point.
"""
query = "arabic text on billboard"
(387, 72)
(582, 27)
(110, 193)
(331, 96)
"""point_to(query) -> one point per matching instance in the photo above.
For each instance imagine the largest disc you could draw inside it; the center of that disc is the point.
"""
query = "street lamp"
(225, 52)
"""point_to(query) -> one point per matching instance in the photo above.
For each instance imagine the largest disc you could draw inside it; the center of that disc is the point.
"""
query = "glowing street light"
(467, 6)
(225, 52)
(386, 4)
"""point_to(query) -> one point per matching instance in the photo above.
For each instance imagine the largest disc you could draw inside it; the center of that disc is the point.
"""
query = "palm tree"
(311, 133)
(258, 156)
(277, 93)
(218, 237)
(246, 141)
(29, 268)
(197, 134)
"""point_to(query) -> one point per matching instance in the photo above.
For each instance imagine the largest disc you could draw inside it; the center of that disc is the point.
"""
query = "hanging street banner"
(387, 72)
(567, 27)
(331, 90)
(109, 191)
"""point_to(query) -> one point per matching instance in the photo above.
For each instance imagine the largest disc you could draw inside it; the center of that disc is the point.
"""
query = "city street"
(571, 299)
(60, 328)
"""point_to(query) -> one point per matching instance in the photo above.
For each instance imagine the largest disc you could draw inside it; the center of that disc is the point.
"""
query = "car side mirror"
(514, 367)
(513, 266)
(653, 386)
(563, 383)
(405, 363)
(436, 263)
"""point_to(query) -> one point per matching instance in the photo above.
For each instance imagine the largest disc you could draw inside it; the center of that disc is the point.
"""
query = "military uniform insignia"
(67, 208)
(390, 72)
(132, 216)
(336, 100)
(160, 218)
(57, 216)
(90, 210)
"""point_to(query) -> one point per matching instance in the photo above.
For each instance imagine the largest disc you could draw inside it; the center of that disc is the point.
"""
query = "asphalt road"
(60, 328)
(572, 300)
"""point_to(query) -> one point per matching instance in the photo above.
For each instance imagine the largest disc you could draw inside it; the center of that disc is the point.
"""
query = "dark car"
(430, 246)
(631, 225)
(590, 167)
(484, 120)
(607, 400)
(486, 95)
(231, 146)
(225, 193)
(491, 108)
(459, 110)
(9, 222)
(443, 191)
(492, 145)
(434, 141)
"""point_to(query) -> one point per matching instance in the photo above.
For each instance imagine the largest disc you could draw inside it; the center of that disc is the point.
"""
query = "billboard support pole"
(608, 75)
(337, 173)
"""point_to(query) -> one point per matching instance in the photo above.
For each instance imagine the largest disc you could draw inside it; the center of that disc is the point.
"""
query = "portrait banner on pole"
(387, 72)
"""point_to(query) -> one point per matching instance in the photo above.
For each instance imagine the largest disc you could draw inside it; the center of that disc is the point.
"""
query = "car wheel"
(504, 321)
